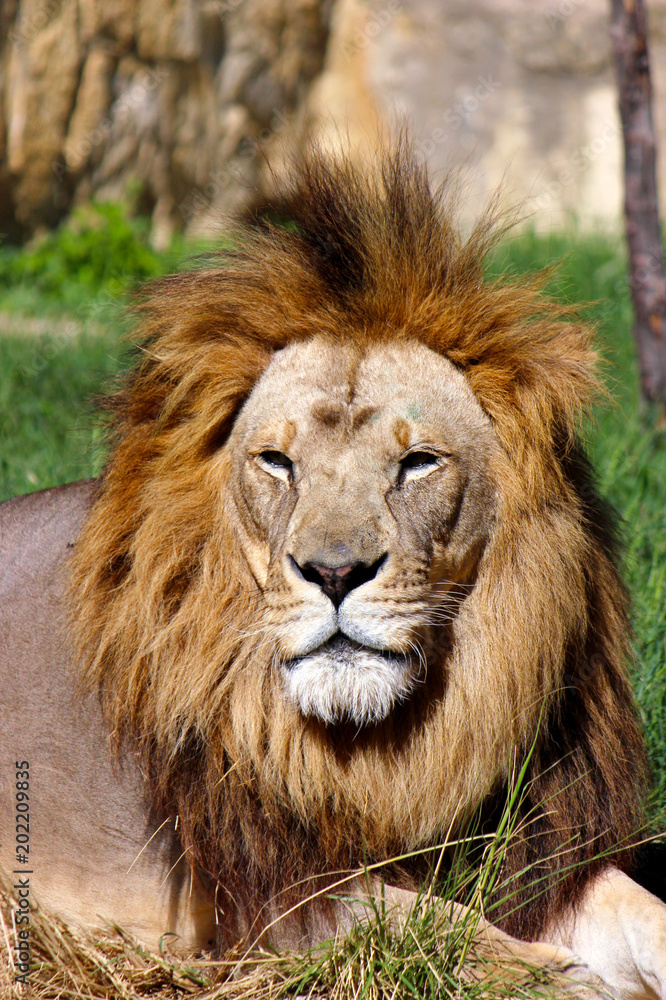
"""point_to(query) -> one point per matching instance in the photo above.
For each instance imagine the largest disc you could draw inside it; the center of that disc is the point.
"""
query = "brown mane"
(166, 610)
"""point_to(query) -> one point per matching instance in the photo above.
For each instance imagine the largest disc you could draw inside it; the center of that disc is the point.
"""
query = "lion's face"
(363, 484)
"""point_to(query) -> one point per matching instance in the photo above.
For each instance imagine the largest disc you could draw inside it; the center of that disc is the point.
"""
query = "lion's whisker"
(423, 665)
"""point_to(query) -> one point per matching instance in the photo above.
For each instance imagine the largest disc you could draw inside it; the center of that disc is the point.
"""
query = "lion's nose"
(338, 581)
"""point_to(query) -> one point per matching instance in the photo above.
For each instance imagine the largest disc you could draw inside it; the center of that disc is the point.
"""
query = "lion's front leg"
(619, 931)
(492, 954)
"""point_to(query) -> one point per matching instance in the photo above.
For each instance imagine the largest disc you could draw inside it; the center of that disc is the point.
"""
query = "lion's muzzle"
(350, 674)
(343, 680)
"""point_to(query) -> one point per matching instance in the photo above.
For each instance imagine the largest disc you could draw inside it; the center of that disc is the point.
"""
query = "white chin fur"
(362, 688)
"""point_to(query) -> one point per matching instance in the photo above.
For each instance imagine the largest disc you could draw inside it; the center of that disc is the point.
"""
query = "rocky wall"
(194, 104)
(169, 97)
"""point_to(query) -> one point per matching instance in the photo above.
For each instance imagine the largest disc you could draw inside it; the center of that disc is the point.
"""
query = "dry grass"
(438, 951)
(374, 962)
(66, 965)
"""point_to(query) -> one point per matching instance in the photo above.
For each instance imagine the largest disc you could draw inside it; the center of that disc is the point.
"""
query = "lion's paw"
(619, 932)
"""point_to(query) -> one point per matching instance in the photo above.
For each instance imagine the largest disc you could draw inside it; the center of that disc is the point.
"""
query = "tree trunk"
(641, 206)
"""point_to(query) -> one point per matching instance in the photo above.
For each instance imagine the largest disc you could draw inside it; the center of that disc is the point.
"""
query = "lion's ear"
(535, 381)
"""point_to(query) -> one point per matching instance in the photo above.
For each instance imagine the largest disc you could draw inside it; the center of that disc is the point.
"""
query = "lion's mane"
(166, 612)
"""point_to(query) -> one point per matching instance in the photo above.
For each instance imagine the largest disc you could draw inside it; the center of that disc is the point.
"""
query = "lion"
(345, 568)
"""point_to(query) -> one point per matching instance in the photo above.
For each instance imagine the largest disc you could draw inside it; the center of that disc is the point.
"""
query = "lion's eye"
(417, 464)
(277, 464)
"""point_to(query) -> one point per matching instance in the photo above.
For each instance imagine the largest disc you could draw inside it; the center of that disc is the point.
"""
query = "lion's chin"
(344, 681)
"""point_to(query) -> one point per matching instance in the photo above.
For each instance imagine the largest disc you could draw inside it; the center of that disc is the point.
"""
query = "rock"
(42, 75)
(104, 20)
(89, 117)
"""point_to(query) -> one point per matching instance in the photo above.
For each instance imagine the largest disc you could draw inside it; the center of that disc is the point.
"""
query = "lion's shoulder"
(36, 530)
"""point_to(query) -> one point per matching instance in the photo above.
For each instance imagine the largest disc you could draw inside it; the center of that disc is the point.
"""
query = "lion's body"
(345, 568)
(89, 817)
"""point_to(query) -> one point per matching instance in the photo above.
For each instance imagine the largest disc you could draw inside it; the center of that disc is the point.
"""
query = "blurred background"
(131, 130)
(185, 102)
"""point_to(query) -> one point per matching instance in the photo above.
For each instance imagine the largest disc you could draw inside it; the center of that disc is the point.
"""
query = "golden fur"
(166, 608)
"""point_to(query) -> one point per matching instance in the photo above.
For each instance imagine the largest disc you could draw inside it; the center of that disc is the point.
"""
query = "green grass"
(85, 265)
(76, 281)
(48, 432)
(47, 425)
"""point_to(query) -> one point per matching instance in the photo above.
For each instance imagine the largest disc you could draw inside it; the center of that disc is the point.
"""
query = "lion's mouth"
(344, 652)
(345, 680)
